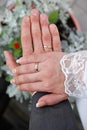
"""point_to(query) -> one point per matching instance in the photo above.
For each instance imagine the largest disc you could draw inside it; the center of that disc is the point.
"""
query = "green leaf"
(53, 16)
(18, 53)
(8, 78)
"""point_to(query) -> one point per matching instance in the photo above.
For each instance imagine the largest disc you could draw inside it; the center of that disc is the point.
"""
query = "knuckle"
(18, 70)
(46, 37)
(19, 79)
(36, 32)
(24, 69)
(28, 68)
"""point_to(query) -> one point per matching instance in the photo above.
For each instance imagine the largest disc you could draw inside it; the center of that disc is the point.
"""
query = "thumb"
(10, 61)
(50, 99)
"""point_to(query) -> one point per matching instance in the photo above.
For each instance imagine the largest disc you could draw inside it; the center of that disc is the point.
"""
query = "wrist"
(73, 67)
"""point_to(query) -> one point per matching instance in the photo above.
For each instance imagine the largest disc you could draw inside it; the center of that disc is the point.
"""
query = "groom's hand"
(36, 29)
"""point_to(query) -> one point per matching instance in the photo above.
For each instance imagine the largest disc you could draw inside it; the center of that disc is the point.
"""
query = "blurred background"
(80, 10)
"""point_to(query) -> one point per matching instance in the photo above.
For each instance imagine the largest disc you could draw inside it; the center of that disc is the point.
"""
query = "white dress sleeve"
(74, 67)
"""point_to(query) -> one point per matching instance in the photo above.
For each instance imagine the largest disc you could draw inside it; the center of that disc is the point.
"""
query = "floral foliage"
(10, 27)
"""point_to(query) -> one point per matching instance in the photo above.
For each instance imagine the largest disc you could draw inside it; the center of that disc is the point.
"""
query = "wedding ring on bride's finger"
(47, 47)
(36, 67)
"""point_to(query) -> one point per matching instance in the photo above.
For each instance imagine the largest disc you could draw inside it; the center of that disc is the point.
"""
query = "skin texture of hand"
(31, 29)
(49, 78)
(36, 29)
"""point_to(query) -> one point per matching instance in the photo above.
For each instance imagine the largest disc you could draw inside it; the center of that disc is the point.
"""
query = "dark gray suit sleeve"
(56, 117)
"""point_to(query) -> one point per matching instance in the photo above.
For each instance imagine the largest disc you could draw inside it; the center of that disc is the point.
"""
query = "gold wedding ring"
(36, 67)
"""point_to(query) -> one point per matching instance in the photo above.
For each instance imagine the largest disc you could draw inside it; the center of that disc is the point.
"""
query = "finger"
(36, 31)
(55, 38)
(50, 99)
(46, 36)
(26, 78)
(10, 61)
(32, 87)
(32, 59)
(26, 69)
(26, 36)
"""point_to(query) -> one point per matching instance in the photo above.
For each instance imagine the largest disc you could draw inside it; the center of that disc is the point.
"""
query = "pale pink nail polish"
(34, 12)
(12, 81)
(43, 17)
(37, 105)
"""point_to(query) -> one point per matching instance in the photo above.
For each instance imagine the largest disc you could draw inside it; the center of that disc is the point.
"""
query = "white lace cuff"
(74, 67)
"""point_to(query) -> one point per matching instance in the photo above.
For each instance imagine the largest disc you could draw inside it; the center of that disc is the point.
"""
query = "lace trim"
(74, 66)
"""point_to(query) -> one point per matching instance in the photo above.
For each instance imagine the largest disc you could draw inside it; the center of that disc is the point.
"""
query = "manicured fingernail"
(26, 19)
(17, 61)
(43, 17)
(5, 53)
(40, 104)
(14, 71)
(37, 105)
(53, 27)
(34, 12)
(12, 81)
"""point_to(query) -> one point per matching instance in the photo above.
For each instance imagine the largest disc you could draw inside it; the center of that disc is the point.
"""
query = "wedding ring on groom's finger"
(47, 47)
(36, 67)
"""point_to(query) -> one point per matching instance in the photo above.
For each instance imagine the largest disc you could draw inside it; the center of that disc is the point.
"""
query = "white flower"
(22, 13)
(19, 95)
(8, 16)
(9, 2)
(13, 23)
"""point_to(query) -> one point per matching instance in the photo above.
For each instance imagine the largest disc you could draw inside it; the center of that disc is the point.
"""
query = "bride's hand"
(48, 78)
